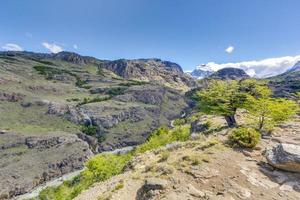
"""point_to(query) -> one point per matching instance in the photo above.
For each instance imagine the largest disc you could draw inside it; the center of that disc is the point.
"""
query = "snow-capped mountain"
(260, 69)
(201, 71)
(296, 67)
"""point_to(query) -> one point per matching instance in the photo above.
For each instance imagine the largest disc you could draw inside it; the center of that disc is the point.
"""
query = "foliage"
(99, 168)
(90, 130)
(104, 166)
(244, 137)
(93, 100)
(163, 136)
(267, 112)
(50, 72)
(179, 122)
(222, 98)
(133, 82)
(116, 91)
(225, 97)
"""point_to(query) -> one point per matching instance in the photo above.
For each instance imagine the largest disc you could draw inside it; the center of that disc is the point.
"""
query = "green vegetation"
(225, 97)
(222, 98)
(268, 112)
(244, 137)
(45, 62)
(116, 91)
(133, 82)
(179, 122)
(90, 130)
(104, 166)
(163, 136)
(93, 100)
(50, 72)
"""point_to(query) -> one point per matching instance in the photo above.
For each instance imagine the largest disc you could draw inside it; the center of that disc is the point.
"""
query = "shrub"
(116, 91)
(105, 166)
(244, 137)
(164, 156)
(90, 130)
(93, 100)
(179, 122)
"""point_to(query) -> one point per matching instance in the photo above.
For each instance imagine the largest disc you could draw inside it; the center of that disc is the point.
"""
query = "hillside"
(62, 108)
(288, 83)
(204, 167)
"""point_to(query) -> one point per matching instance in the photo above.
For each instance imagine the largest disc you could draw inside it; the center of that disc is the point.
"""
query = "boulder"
(285, 156)
(155, 184)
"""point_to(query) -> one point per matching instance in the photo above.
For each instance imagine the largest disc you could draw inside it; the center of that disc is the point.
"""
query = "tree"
(225, 97)
(268, 111)
(221, 98)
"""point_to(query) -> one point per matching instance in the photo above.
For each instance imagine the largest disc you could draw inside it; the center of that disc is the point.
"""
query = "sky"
(188, 32)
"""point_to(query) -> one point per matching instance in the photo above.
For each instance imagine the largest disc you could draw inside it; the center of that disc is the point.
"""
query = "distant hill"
(286, 84)
(296, 67)
(229, 73)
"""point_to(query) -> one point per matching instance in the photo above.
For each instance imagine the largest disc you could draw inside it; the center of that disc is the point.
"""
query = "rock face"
(230, 73)
(285, 156)
(163, 72)
(13, 97)
(126, 119)
(27, 161)
(286, 84)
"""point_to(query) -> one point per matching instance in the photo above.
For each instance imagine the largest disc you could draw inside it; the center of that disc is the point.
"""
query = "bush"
(244, 137)
(179, 122)
(116, 91)
(90, 130)
(105, 166)
(163, 136)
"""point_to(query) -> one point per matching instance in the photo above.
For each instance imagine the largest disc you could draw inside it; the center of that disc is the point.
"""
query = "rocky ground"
(205, 168)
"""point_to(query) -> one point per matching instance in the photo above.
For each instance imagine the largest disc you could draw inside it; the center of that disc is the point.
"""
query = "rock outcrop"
(163, 72)
(29, 160)
(285, 157)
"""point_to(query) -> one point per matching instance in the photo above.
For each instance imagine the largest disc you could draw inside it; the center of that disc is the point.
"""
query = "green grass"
(104, 166)
(50, 72)
(32, 120)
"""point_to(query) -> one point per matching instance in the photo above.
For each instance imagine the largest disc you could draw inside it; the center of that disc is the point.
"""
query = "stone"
(194, 192)
(285, 156)
(155, 184)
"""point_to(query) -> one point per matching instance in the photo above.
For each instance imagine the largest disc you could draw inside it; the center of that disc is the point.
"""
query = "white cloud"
(261, 68)
(229, 49)
(54, 48)
(75, 46)
(12, 47)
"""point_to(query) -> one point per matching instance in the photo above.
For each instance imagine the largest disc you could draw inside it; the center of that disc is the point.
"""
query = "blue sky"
(189, 32)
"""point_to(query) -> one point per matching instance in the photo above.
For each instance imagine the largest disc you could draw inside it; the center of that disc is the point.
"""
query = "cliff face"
(162, 72)
(27, 161)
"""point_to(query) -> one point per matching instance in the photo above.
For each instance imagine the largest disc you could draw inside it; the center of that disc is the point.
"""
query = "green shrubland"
(244, 137)
(226, 97)
(103, 166)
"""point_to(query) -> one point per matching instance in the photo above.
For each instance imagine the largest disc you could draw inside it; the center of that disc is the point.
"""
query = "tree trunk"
(230, 121)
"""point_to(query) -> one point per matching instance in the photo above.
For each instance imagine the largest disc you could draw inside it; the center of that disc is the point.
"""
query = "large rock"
(285, 156)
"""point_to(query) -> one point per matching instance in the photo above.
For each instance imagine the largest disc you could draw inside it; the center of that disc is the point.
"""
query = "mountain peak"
(296, 67)
(230, 73)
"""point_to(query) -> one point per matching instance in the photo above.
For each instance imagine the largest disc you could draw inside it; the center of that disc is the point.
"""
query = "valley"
(61, 111)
